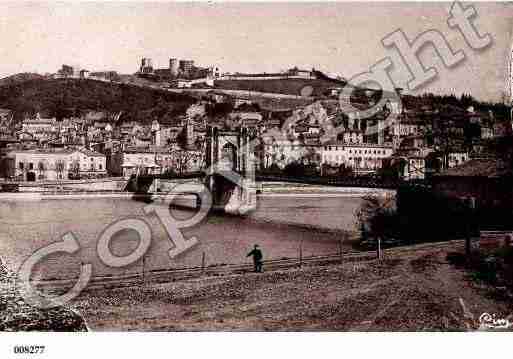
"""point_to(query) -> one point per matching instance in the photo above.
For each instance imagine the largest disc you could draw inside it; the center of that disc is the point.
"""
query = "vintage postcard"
(253, 166)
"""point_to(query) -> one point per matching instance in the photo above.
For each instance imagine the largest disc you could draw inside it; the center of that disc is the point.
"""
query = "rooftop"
(91, 153)
(345, 144)
(61, 151)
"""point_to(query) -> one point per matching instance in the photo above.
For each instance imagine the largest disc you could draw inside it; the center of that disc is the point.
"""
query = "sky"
(341, 38)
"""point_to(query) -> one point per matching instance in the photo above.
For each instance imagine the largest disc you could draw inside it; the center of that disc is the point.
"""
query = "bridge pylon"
(230, 164)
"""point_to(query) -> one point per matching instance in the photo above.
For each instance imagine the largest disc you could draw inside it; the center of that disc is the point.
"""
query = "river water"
(283, 220)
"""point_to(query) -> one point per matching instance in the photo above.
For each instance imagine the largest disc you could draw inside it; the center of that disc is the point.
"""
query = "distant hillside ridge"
(21, 77)
(319, 85)
(67, 97)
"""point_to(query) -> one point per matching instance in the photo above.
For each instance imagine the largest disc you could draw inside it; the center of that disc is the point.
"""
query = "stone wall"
(111, 184)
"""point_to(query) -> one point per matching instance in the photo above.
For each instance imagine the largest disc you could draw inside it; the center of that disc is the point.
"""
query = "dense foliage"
(500, 110)
(67, 97)
(418, 216)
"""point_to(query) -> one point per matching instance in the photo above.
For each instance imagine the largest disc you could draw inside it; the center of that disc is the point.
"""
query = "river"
(283, 220)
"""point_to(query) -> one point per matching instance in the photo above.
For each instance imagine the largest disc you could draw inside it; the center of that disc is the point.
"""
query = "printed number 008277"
(29, 349)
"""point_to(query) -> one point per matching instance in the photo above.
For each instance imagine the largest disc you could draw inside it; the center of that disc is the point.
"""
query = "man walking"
(257, 258)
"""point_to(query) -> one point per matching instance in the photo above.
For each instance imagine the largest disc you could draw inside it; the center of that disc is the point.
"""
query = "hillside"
(21, 77)
(291, 86)
(28, 93)
(65, 97)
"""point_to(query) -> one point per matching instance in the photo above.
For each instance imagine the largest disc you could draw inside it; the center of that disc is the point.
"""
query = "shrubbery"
(298, 169)
(493, 267)
(377, 218)
(419, 215)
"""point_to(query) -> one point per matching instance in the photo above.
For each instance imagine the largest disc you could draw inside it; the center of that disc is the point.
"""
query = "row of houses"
(363, 158)
(53, 164)
(62, 164)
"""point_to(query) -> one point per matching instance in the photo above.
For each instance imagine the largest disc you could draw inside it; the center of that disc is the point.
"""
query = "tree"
(41, 167)
(345, 171)
(299, 169)
(75, 168)
(377, 217)
(60, 165)
(295, 169)
(181, 139)
(219, 110)
(391, 170)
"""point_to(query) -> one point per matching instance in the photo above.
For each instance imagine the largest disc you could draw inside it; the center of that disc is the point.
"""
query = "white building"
(180, 83)
(55, 164)
(414, 168)
(138, 162)
(84, 74)
(457, 158)
(158, 161)
(408, 127)
(89, 163)
(38, 125)
(361, 157)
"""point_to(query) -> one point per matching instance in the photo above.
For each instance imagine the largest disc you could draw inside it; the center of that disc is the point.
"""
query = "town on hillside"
(320, 135)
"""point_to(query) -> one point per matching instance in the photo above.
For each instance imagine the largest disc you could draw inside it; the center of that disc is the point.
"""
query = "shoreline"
(267, 189)
(178, 274)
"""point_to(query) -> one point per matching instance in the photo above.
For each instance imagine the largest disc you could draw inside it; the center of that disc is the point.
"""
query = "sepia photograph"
(232, 168)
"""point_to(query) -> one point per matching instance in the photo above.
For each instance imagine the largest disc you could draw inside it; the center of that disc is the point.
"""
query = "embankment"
(408, 291)
(17, 315)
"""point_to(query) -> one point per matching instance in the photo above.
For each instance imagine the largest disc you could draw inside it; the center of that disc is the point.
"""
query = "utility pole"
(300, 254)
(143, 269)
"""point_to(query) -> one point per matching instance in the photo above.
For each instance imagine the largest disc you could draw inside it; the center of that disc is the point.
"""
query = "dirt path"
(419, 291)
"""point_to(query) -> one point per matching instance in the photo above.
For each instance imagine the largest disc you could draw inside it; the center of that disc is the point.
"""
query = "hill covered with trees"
(21, 77)
(67, 97)
(464, 101)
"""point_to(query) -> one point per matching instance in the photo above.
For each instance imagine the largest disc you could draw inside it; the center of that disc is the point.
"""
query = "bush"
(377, 218)
(298, 169)
(494, 267)
(341, 171)
(273, 169)
(169, 173)
(419, 215)
(424, 216)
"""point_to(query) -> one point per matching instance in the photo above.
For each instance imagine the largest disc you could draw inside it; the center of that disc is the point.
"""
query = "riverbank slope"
(408, 291)
(17, 315)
